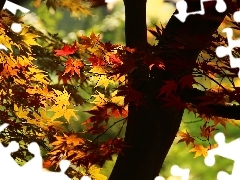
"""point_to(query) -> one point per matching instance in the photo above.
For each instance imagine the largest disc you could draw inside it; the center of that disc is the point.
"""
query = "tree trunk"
(2, 2)
(151, 129)
(135, 23)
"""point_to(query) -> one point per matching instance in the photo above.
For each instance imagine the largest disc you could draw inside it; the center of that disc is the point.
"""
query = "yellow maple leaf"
(69, 113)
(99, 99)
(62, 97)
(24, 61)
(94, 172)
(75, 7)
(200, 150)
(40, 78)
(102, 80)
(98, 70)
(19, 81)
(43, 121)
(20, 112)
(28, 37)
(119, 100)
(5, 40)
(63, 111)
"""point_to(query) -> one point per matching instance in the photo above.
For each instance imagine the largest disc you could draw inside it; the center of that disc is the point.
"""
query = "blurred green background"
(109, 22)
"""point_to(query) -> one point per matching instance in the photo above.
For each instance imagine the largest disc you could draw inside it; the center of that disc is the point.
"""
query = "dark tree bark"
(135, 23)
(151, 129)
(2, 2)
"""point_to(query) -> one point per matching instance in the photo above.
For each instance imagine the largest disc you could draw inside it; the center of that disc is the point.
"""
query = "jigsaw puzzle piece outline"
(181, 6)
(227, 150)
(223, 51)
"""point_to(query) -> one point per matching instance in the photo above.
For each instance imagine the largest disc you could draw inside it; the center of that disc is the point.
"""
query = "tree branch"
(225, 111)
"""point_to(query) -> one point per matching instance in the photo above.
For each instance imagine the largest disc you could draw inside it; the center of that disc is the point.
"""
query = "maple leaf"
(74, 140)
(61, 104)
(20, 112)
(43, 121)
(108, 46)
(62, 98)
(174, 101)
(66, 50)
(47, 163)
(27, 39)
(100, 115)
(220, 120)
(94, 172)
(73, 66)
(187, 81)
(168, 88)
(114, 59)
(206, 131)
(117, 110)
(98, 70)
(89, 41)
(200, 150)
(63, 111)
(126, 67)
(102, 80)
(212, 146)
(75, 7)
(100, 99)
(131, 95)
(118, 100)
(185, 137)
(96, 61)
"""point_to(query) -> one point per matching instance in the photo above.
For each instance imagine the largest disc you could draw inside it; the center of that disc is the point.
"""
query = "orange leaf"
(73, 66)
(74, 140)
(185, 137)
(200, 150)
(220, 120)
(47, 163)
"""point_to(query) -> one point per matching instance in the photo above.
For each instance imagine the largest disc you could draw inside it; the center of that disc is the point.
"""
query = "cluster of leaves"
(76, 7)
(211, 75)
(38, 110)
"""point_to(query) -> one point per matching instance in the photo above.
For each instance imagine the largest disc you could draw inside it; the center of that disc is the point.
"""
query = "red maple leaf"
(168, 88)
(96, 61)
(131, 95)
(187, 81)
(115, 59)
(66, 50)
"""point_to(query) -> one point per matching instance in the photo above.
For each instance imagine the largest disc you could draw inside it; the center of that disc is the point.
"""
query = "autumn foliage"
(39, 110)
